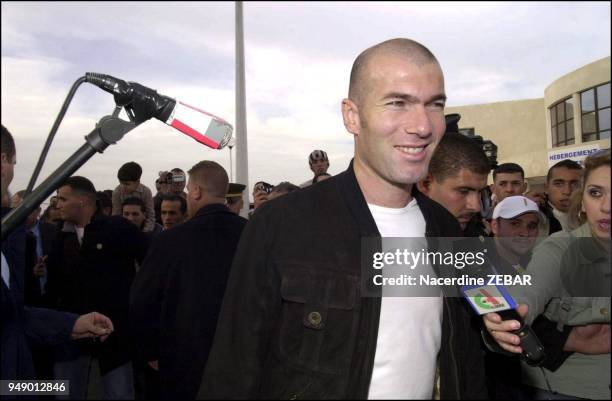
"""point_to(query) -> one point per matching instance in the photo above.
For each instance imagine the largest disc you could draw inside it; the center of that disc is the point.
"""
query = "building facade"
(569, 122)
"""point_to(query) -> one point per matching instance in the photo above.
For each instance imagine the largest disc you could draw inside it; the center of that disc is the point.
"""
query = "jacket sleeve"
(250, 306)
(474, 369)
(544, 268)
(551, 339)
(149, 210)
(48, 327)
(553, 342)
(146, 302)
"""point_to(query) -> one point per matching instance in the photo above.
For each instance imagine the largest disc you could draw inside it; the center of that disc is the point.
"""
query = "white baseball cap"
(514, 206)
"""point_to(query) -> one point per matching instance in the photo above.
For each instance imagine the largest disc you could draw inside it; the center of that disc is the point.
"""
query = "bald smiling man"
(294, 323)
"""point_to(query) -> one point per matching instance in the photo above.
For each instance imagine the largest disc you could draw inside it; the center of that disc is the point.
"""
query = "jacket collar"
(433, 213)
(355, 201)
(591, 250)
(70, 227)
(212, 208)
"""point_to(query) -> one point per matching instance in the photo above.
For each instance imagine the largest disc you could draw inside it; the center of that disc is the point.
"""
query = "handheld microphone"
(493, 298)
(142, 103)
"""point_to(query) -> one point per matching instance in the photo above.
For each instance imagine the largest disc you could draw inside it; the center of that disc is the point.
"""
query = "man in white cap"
(515, 226)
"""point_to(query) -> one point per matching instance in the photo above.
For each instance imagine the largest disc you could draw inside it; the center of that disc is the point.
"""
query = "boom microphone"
(143, 103)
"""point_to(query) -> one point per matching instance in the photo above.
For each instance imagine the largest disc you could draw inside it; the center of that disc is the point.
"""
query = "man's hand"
(592, 339)
(259, 197)
(39, 268)
(500, 330)
(154, 365)
(94, 325)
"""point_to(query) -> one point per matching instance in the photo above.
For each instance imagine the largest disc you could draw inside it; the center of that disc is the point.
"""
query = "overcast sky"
(298, 60)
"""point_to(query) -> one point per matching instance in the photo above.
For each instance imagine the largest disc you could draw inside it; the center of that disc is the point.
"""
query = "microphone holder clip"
(108, 131)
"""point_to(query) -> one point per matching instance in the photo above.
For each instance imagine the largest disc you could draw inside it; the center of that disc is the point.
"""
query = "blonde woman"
(571, 286)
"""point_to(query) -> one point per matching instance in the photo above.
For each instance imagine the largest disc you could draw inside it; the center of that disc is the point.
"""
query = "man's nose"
(567, 188)
(473, 202)
(418, 121)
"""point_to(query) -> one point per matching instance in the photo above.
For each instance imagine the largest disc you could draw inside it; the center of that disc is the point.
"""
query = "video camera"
(168, 177)
(487, 146)
(263, 186)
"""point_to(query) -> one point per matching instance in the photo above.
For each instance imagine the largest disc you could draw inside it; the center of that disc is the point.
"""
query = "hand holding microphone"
(503, 330)
(143, 103)
(504, 321)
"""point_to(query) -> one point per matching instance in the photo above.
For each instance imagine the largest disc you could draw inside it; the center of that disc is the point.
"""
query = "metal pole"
(231, 166)
(109, 130)
(242, 159)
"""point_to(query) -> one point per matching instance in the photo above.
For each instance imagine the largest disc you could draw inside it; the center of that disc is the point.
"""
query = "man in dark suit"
(22, 326)
(39, 236)
(39, 239)
(177, 293)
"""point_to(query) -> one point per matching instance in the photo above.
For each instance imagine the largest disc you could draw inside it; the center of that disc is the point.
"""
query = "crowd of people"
(176, 296)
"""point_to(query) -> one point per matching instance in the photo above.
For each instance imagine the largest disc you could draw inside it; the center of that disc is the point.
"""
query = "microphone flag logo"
(490, 298)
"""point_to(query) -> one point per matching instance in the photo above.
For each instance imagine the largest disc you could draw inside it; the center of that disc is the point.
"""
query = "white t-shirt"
(563, 219)
(410, 328)
(80, 231)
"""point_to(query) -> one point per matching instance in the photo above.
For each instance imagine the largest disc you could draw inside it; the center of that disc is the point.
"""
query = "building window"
(562, 123)
(595, 105)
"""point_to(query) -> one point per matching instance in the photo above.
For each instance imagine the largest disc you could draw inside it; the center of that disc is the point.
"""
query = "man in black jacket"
(92, 266)
(294, 322)
(177, 293)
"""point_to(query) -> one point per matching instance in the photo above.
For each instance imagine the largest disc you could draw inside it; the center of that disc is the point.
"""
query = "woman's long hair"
(594, 161)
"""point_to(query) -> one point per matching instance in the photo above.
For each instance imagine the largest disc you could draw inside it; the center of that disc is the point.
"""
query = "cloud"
(298, 60)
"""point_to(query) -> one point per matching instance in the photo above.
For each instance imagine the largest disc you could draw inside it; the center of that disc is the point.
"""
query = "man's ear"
(197, 192)
(494, 227)
(5, 159)
(350, 115)
(424, 186)
(524, 188)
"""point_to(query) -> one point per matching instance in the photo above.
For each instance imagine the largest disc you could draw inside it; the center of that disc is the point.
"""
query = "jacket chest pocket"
(318, 323)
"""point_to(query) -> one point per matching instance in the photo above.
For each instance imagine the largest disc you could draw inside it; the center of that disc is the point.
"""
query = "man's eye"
(396, 103)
